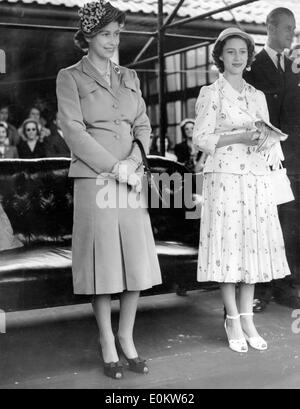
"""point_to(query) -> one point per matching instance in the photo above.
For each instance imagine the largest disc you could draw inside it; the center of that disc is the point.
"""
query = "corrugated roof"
(251, 13)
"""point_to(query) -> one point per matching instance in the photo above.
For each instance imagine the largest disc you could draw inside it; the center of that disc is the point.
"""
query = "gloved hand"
(135, 181)
(123, 169)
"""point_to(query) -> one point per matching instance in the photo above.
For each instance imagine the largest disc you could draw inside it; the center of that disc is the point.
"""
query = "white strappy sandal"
(255, 342)
(236, 345)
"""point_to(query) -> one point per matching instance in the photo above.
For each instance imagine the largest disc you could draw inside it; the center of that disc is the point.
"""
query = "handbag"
(154, 187)
(281, 185)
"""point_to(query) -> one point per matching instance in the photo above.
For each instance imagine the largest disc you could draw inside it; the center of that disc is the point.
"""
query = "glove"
(135, 182)
(123, 169)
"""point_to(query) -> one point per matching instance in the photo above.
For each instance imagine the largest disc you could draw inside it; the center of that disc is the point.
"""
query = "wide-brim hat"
(234, 32)
(96, 15)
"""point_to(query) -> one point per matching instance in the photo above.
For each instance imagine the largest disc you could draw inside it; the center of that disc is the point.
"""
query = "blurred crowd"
(183, 152)
(36, 138)
(33, 139)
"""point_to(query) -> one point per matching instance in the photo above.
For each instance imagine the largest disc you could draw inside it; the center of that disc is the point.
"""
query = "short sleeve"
(263, 109)
(204, 136)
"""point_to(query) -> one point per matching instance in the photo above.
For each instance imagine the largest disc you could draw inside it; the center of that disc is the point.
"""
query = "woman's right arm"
(205, 136)
(249, 138)
(80, 142)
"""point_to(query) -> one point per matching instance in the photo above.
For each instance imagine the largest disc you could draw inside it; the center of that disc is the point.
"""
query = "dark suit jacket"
(184, 155)
(26, 153)
(56, 146)
(9, 153)
(283, 99)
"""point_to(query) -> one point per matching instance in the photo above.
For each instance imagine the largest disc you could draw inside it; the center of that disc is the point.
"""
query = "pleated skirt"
(113, 247)
(240, 235)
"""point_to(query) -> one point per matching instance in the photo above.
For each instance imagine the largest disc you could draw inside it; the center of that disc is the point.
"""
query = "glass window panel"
(173, 82)
(191, 59)
(201, 56)
(191, 78)
(191, 103)
(171, 112)
(153, 80)
(201, 76)
(153, 114)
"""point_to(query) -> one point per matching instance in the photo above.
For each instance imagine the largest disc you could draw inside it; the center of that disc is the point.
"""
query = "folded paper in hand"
(270, 135)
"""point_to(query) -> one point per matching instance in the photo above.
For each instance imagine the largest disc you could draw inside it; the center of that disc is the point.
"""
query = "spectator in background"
(6, 151)
(13, 136)
(155, 148)
(56, 146)
(35, 114)
(185, 151)
(32, 147)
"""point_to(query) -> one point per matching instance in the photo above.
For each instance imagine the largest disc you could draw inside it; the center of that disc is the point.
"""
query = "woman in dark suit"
(101, 111)
(32, 147)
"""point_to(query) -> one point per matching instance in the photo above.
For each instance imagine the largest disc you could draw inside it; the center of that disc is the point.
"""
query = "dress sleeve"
(204, 137)
(141, 126)
(274, 154)
(263, 106)
(80, 142)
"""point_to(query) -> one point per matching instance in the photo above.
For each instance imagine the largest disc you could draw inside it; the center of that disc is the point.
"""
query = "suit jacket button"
(117, 136)
(115, 106)
(117, 121)
(275, 95)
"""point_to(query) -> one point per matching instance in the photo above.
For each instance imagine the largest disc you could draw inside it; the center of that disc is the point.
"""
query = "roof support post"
(161, 79)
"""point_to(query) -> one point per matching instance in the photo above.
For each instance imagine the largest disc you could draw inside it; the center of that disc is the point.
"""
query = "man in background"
(272, 72)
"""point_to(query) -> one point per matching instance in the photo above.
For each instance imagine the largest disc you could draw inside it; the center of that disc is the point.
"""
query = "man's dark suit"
(283, 99)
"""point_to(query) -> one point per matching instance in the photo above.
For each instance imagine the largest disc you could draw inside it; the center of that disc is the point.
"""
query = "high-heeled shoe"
(255, 342)
(137, 365)
(112, 370)
(236, 345)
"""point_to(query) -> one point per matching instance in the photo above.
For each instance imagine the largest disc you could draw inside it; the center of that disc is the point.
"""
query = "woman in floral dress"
(240, 239)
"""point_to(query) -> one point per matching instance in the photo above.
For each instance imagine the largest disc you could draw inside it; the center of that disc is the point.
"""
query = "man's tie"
(279, 66)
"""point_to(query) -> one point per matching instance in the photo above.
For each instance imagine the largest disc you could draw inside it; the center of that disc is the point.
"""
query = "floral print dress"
(240, 234)
(7, 239)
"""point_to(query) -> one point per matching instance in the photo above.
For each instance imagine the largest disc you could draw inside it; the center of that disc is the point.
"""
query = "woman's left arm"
(141, 126)
(274, 155)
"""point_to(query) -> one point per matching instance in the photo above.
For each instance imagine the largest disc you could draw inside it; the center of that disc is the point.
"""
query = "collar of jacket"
(226, 91)
(117, 74)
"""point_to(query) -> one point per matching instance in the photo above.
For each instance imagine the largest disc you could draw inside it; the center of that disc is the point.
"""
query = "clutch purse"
(269, 135)
(281, 186)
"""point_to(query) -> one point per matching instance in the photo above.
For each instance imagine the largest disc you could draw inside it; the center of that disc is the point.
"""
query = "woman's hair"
(4, 126)
(80, 39)
(183, 125)
(273, 17)
(30, 121)
(219, 47)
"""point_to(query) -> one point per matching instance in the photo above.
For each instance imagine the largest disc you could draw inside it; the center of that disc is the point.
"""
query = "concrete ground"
(183, 338)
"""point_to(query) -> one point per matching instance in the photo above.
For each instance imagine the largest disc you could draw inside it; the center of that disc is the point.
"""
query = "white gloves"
(128, 171)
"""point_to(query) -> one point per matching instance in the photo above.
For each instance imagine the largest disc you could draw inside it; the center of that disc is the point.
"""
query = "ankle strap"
(230, 317)
(247, 314)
